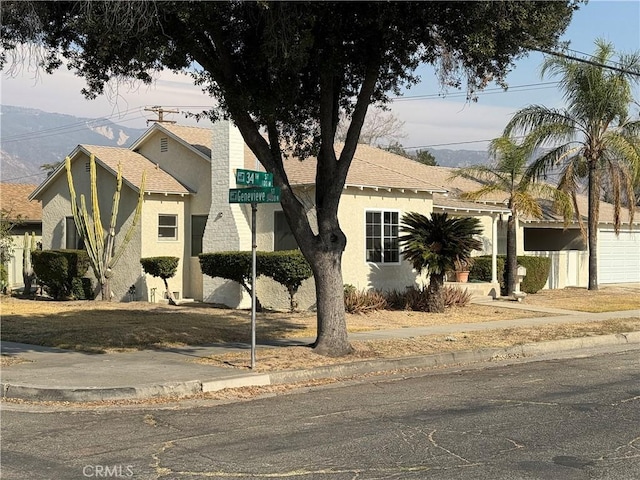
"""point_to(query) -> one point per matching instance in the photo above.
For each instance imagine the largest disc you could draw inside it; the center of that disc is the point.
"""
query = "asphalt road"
(576, 418)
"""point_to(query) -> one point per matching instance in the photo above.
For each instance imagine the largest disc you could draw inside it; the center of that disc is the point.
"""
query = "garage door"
(619, 257)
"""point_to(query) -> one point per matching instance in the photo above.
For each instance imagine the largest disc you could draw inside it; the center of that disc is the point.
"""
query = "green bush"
(82, 288)
(538, 269)
(481, 268)
(4, 278)
(57, 269)
(162, 267)
(288, 268)
(234, 266)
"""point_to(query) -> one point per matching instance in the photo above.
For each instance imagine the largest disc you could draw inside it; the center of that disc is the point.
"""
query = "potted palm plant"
(462, 267)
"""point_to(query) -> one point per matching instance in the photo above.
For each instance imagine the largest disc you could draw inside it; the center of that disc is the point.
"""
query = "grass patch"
(293, 358)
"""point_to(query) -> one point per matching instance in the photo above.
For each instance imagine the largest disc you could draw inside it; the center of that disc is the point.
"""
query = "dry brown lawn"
(294, 358)
(606, 299)
(112, 327)
(96, 326)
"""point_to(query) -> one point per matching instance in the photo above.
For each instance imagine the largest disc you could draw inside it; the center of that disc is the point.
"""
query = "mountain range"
(31, 138)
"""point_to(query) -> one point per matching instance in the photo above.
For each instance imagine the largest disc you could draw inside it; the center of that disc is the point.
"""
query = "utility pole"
(160, 112)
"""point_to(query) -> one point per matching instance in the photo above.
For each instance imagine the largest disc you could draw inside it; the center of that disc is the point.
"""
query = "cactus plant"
(28, 275)
(102, 251)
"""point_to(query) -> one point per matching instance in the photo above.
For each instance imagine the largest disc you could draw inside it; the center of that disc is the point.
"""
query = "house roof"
(14, 199)
(133, 164)
(198, 139)
(450, 203)
(606, 213)
(371, 168)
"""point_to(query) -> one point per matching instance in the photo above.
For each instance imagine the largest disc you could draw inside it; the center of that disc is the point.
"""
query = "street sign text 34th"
(254, 178)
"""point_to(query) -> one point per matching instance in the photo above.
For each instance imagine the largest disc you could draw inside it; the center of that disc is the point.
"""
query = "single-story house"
(186, 212)
(25, 216)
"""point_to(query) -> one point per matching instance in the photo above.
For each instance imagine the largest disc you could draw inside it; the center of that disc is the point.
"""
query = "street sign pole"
(261, 190)
(254, 246)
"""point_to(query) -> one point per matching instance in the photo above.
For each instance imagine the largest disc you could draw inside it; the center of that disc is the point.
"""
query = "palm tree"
(434, 244)
(591, 137)
(507, 174)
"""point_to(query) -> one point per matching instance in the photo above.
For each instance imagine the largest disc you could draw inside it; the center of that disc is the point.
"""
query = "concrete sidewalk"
(51, 374)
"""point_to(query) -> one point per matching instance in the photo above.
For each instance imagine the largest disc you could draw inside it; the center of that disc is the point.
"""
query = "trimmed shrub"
(57, 269)
(481, 268)
(82, 288)
(288, 268)
(234, 266)
(538, 269)
(363, 301)
(162, 267)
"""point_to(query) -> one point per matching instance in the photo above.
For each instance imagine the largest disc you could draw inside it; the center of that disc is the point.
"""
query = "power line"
(589, 62)
(488, 91)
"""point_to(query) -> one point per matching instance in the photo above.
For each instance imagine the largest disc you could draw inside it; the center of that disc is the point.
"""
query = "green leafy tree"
(288, 70)
(593, 137)
(426, 157)
(435, 244)
(507, 174)
(100, 245)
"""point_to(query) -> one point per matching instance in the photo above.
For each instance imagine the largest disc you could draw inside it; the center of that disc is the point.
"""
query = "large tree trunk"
(512, 255)
(435, 298)
(592, 230)
(331, 338)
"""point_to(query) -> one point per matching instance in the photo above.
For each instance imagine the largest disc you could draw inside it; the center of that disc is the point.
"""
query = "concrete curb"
(181, 389)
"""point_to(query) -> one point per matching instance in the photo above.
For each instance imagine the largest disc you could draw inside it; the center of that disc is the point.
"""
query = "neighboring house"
(618, 256)
(26, 217)
(186, 212)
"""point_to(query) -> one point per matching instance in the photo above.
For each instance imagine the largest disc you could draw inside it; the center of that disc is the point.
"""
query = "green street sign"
(254, 178)
(254, 195)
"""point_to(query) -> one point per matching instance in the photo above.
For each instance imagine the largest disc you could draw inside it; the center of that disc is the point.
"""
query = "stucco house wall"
(56, 201)
(154, 246)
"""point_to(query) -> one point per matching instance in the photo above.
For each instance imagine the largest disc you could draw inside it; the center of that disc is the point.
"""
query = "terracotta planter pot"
(462, 277)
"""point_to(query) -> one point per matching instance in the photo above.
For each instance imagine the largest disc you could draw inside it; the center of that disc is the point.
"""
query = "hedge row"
(289, 268)
(538, 269)
(62, 271)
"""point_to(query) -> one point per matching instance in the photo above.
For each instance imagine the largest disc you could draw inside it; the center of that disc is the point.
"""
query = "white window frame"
(166, 227)
(383, 237)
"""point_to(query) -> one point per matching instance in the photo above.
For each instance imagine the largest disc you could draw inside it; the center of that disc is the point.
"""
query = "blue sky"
(438, 122)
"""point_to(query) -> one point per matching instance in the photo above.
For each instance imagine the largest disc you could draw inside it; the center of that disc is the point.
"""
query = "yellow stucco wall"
(153, 246)
(190, 168)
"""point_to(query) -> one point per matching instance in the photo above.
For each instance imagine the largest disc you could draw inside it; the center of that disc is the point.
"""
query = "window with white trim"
(382, 236)
(167, 227)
